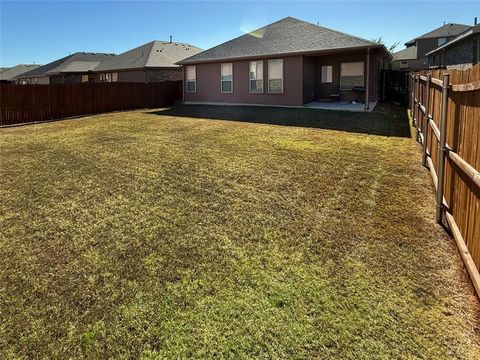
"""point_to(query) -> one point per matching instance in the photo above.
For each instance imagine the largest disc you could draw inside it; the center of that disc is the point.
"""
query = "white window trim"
(262, 79)
(268, 77)
(190, 81)
(221, 81)
(349, 62)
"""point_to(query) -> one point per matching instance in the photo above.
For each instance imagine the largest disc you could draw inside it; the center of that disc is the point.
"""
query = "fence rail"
(445, 108)
(30, 103)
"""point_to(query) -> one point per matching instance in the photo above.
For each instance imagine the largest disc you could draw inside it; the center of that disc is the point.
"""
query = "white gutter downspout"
(367, 87)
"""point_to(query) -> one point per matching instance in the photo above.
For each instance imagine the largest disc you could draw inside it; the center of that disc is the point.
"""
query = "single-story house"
(7, 75)
(71, 69)
(151, 62)
(459, 53)
(287, 63)
(414, 57)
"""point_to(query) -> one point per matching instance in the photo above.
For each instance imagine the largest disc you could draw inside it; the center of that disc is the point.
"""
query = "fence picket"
(450, 105)
(31, 103)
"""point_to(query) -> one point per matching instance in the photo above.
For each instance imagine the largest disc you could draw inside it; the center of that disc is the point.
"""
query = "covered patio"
(342, 106)
(344, 80)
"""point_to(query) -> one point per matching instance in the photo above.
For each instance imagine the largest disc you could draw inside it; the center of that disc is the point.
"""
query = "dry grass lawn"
(168, 234)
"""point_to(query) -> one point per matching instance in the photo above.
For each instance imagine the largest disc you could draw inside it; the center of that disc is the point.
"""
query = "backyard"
(205, 232)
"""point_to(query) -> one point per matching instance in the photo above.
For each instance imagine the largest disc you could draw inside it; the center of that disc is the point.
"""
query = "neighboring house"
(287, 63)
(151, 62)
(74, 68)
(413, 57)
(7, 75)
(460, 52)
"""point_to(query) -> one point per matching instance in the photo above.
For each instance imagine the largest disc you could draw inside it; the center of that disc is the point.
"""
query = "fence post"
(425, 121)
(415, 102)
(417, 117)
(412, 111)
(442, 149)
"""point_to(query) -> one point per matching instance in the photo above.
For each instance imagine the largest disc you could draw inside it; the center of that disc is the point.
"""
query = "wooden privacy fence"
(445, 107)
(30, 103)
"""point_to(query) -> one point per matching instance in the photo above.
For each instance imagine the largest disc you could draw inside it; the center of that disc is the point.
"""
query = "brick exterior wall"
(464, 53)
(159, 75)
(66, 79)
(413, 64)
(149, 75)
(461, 55)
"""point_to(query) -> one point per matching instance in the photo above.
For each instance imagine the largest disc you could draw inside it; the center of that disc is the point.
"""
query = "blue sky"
(43, 31)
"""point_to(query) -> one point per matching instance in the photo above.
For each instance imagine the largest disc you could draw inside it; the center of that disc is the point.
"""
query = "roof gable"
(77, 62)
(406, 54)
(446, 30)
(10, 73)
(153, 54)
(464, 35)
(288, 35)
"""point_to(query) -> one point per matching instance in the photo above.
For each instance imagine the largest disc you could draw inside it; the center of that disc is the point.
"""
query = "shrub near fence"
(30, 103)
(445, 106)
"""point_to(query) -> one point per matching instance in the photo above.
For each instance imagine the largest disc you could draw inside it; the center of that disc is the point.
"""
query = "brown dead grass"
(169, 234)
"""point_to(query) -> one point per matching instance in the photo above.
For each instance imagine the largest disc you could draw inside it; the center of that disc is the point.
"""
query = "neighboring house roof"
(74, 63)
(285, 36)
(3, 69)
(153, 54)
(465, 35)
(410, 53)
(10, 73)
(446, 30)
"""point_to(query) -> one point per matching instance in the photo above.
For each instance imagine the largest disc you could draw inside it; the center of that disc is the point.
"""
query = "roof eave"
(461, 37)
(136, 68)
(294, 53)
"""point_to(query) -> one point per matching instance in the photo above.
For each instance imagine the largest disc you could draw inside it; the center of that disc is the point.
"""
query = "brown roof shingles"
(285, 36)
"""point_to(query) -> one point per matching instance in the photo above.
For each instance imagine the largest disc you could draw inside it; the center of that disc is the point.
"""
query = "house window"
(351, 75)
(115, 77)
(106, 77)
(191, 78)
(275, 76)
(226, 85)
(84, 78)
(327, 74)
(441, 41)
(256, 76)
(403, 64)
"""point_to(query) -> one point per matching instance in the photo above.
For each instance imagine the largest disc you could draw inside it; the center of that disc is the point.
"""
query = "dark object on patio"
(335, 96)
(359, 90)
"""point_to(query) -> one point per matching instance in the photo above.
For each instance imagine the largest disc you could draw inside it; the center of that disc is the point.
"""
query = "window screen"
(256, 76)
(275, 76)
(191, 78)
(227, 78)
(351, 75)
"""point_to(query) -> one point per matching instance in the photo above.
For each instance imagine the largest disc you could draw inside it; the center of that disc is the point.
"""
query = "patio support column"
(367, 82)
(183, 83)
